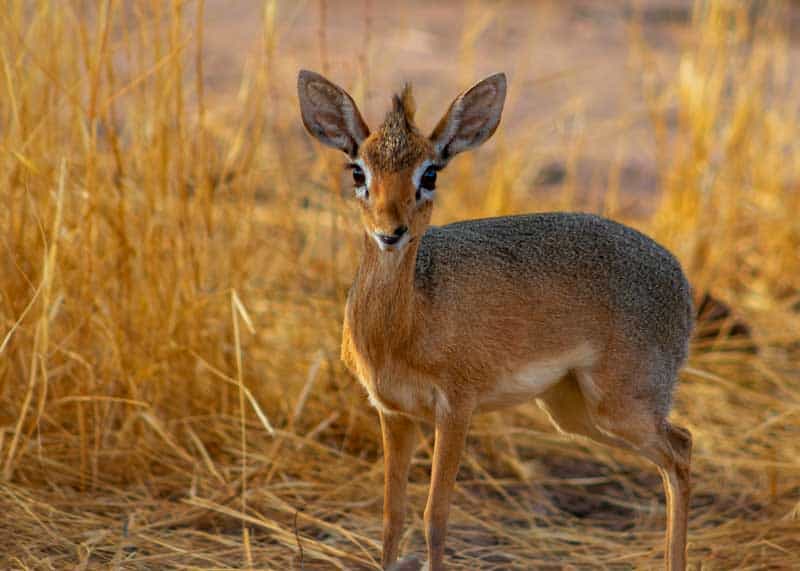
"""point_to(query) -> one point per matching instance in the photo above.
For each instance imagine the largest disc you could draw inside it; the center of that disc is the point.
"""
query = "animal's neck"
(383, 298)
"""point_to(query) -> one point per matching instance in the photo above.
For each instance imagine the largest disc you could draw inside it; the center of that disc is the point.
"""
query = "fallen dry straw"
(173, 269)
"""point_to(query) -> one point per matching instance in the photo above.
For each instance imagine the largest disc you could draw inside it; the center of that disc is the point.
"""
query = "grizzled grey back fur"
(600, 262)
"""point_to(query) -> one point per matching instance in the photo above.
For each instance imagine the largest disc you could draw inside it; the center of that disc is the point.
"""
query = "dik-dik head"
(394, 168)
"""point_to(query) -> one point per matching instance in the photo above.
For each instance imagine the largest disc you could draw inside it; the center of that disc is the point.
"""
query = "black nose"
(390, 239)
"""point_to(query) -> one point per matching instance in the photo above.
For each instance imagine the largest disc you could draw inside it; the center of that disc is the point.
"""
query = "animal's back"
(589, 260)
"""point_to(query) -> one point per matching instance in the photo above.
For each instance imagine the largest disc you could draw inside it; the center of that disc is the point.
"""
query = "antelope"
(587, 316)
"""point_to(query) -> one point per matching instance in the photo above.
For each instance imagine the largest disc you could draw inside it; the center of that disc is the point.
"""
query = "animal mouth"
(389, 240)
(388, 243)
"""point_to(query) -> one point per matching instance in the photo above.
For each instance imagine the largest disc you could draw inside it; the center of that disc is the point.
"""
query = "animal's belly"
(534, 378)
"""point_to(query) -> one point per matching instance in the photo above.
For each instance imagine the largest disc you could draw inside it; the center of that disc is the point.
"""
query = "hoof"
(410, 563)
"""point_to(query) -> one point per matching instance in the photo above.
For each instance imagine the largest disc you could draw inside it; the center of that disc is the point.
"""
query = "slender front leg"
(451, 433)
(398, 444)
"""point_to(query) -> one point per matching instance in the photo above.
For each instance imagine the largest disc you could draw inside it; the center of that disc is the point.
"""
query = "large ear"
(472, 117)
(329, 113)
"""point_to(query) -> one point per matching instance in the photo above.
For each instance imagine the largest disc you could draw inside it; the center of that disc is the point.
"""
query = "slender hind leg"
(631, 424)
(672, 455)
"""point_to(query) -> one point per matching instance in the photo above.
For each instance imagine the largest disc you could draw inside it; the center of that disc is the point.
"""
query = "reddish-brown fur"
(488, 325)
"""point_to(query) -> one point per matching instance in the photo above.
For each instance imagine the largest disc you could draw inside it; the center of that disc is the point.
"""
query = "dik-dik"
(587, 316)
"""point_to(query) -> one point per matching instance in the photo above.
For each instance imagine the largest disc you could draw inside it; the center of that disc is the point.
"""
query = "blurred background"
(175, 253)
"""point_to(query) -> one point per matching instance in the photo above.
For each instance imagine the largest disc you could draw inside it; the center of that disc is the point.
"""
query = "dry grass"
(172, 278)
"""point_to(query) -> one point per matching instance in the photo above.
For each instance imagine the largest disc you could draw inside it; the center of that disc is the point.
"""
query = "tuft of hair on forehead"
(403, 103)
(400, 118)
(397, 143)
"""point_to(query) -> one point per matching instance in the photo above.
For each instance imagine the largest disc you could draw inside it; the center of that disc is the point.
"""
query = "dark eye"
(428, 179)
(359, 178)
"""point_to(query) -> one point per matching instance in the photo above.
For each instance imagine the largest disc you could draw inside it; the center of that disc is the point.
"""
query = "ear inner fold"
(329, 113)
(472, 118)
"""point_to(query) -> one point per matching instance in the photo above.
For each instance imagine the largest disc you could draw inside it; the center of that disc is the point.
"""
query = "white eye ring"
(361, 191)
(416, 178)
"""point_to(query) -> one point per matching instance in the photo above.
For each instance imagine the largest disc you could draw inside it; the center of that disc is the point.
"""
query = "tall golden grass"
(174, 265)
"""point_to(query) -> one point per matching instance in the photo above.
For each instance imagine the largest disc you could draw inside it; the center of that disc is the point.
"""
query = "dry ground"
(175, 252)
